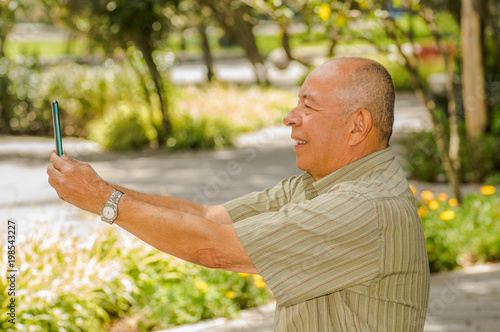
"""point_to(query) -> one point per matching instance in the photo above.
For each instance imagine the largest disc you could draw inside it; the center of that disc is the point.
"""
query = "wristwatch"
(109, 210)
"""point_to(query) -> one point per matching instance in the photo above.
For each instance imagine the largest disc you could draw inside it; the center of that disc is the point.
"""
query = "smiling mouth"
(298, 144)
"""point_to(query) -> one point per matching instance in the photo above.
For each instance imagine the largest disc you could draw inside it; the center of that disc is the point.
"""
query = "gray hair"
(370, 87)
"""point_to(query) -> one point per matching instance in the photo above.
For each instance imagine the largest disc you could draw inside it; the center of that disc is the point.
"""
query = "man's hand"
(77, 183)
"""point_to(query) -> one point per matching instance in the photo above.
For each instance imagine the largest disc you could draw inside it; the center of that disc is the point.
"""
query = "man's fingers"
(62, 164)
(56, 161)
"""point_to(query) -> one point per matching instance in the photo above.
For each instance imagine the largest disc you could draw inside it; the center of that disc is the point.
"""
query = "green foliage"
(83, 93)
(89, 284)
(120, 129)
(201, 132)
(421, 156)
(114, 24)
(461, 235)
(479, 157)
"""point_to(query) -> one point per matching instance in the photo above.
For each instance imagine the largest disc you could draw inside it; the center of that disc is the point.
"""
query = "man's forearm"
(215, 213)
(190, 231)
(190, 237)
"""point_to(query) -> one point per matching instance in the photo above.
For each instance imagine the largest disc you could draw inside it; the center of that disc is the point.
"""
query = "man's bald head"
(364, 84)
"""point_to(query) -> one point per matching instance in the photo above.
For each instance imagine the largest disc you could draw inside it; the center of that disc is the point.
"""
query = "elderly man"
(341, 246)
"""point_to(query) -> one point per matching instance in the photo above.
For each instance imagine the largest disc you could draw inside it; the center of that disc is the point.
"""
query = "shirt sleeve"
(317, 247)
(268, 200)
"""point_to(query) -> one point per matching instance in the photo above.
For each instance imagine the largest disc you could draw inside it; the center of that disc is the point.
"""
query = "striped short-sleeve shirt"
(344, 253)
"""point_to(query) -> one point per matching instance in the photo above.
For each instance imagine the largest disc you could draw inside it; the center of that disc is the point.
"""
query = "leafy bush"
(480, 158)
(461, 235)
(202, 132)
(84, 93)
(120, 129)
(76, 284)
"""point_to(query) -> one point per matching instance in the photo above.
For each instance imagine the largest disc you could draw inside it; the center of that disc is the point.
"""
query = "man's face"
(321, 135)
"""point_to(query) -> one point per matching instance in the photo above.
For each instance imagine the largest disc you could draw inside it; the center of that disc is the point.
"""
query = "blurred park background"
(177, 75)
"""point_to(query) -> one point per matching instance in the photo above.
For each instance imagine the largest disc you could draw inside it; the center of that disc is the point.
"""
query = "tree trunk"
(411, 65)
(147, 52)
(247, 40)
(474, 94)
(454, 142)
(235, 21)
(494, 12)
(205, 46)
(2, 46)
(333, 37)
(285, 42)
(144, 86)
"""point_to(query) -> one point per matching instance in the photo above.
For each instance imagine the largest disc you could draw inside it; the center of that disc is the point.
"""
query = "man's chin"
(301, 165)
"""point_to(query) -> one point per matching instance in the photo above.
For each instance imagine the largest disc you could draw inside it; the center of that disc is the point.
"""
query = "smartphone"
(57, 128)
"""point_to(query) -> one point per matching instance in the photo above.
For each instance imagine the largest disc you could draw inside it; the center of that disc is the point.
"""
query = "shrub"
(480, 158)
(120, 129)
(461, 235)
(89, 284)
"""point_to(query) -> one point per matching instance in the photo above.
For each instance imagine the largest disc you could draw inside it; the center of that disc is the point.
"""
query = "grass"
(192, 46)
(44, 48)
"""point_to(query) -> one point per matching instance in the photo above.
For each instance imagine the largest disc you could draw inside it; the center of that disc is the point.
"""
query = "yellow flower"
(447, 215)
(259, 283)
(422, 211)
(433, 205)
(427, 195)
(453, 202)
(324, 12)
(413, 190)
(443, 197)
(201, 285)
(230, 295)
(243, 274)
(487, 190)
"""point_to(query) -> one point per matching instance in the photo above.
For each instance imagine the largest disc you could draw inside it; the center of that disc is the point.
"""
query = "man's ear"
(361, 124)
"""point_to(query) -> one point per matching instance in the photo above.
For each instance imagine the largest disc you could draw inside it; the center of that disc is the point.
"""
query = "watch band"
(109, 210)
(115, 197)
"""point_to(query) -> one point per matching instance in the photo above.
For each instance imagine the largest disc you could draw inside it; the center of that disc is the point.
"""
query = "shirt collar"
(349, 172)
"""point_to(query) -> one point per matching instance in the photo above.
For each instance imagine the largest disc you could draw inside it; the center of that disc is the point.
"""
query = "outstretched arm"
(195, 233)
(215, 213)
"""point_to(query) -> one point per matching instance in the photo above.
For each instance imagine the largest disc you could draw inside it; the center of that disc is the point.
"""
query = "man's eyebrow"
(307, 96)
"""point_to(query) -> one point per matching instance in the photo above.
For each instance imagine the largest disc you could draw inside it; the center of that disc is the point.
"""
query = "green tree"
(284, 15)
(7, 17)
(196, 15)
(237, 20)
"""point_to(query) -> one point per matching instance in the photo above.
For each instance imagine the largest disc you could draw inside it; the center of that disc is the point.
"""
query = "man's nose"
(293, 118)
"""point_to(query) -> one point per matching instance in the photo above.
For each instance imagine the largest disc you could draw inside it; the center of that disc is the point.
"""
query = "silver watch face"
(108, 213)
